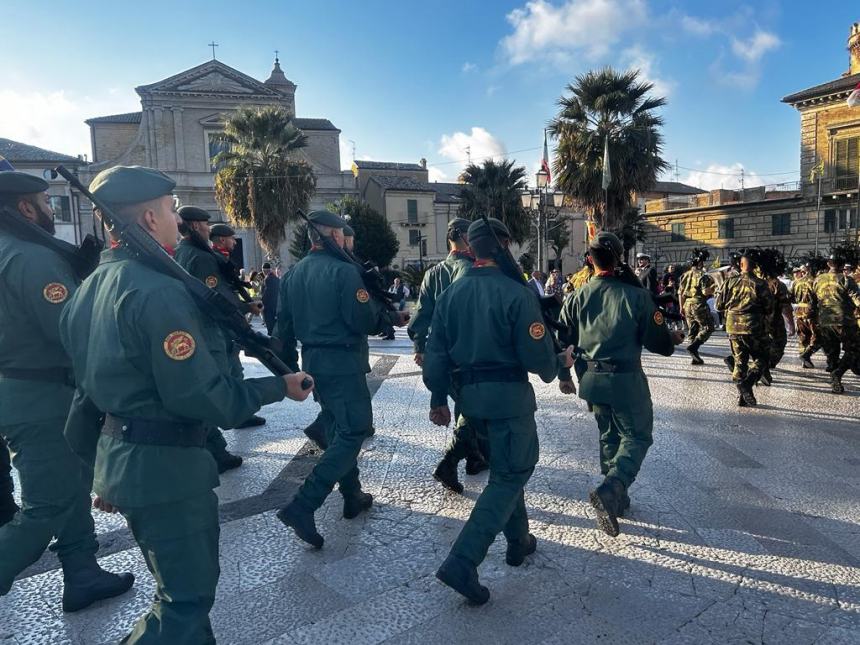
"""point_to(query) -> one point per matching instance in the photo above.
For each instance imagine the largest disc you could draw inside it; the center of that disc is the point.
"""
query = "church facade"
(177, 131)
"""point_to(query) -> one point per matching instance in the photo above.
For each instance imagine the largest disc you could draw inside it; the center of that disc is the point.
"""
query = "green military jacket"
(835, 297)
(695, 285)
(141, 349)
(802, 295)
(610, 321)
(487, 321)
(35, 284)
(324, 304)
(781, 300)
(747, 302)
(204, 267)
(435, 281)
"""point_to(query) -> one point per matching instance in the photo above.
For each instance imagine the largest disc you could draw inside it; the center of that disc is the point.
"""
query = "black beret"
(14, 182)
(607, 240)
(221, 230)
(193, 214)
(479, 229)
(459, 224)
(122, 185)
(326, 218)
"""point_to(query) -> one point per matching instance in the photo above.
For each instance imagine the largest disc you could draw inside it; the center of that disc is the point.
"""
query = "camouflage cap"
(193, 214)
(326, 218)
(14, 182)
(221, 230)
(607, 240)
(123, 185)
(479, 229)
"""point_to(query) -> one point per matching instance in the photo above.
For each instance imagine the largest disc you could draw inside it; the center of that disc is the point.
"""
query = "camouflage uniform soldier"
(780, 313)
(835, 296)
(695, 288)
(801, 295)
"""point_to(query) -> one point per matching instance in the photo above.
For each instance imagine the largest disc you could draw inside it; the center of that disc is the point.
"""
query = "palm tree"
(494, 189)
(612, 105)
(259, 182)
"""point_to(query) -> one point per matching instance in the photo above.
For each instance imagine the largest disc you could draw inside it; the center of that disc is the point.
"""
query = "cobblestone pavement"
(743, 529)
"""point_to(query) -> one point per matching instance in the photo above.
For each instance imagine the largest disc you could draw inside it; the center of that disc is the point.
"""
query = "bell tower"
(278, 81)
(854, 49)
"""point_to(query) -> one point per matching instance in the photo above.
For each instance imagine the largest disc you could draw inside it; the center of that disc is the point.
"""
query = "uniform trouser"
(7, 501)
(235, 363)
(625, 436)
(751, 354)
(216, 444)
(269, 320)
(807, 343)
(179, 541)
(501, 506)
(699, 319)
(55, 502)
(465, 440)
(346, 407)
(845, 337)
(778, 341)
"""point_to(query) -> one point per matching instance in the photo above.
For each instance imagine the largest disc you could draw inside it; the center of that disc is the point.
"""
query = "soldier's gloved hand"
(400, 318)
(567, 387)
(102, 505)
(567, 357)
(419, 359)
(294, 386)
(440, 416)
(677, 337)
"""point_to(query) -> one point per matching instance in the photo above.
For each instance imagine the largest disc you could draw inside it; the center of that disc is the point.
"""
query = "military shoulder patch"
(55, 292)
(658, 318)
(179, 345)
(537, 330)
(211, 281)
(362, 296)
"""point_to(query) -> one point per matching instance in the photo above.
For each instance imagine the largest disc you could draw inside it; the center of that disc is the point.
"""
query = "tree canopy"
(375, 240)
(495, 189)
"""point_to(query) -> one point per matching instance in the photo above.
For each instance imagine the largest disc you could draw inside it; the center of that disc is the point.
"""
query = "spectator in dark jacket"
(271, 286)
(646, 273)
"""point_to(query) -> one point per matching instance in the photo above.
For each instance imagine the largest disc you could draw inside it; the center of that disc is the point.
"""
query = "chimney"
(423, 161)
(854, 49)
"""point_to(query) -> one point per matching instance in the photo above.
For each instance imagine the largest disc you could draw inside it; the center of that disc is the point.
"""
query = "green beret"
(459, 224)
(479, 229)
(14, 182)
(326, 218)
(193, 214)
(347, 231)
(123, 185)
(221, 230)
(607, 240)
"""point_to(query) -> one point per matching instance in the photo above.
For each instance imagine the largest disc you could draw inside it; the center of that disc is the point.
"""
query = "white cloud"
(721, 176)
(753, 48)
(638, 58)
(542, 31)
(436, 174)
(55, 119)
(697, 26)
(469, 67)
(479, 144)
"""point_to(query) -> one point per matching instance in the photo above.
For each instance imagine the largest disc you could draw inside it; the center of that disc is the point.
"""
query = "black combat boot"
(745, 387)
(606, 500)
(625, 505)
(446, 474)
(765, 378)
(805, 361)
(462, 576)
(517, 551)
(371, 432)
(475, 463)
(836, 383)
(316, 433)
(84, 584)
(830, 366)
(227, 461)
(251, 422)
(301, 520)
(693, 350)
(730, 362)
(355, 504)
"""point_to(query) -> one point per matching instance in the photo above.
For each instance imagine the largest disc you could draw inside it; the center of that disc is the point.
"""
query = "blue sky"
(406, 80)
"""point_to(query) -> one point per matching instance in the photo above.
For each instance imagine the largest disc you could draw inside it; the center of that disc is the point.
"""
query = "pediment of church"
(211, 78)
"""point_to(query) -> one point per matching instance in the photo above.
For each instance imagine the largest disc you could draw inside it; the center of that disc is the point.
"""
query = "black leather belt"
(156, 433)
(613, 367)
(60, 375)
(489, 375)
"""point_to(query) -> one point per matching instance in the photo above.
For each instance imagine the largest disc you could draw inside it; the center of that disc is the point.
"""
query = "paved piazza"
(743, 529)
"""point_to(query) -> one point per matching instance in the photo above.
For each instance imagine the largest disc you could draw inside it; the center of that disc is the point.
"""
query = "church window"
(412, 211)
(215, 144)
(847, 163)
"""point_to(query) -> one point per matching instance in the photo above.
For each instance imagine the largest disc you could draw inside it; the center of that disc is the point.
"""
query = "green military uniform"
(746, 302)
(695, 287)
(488, 332)
(142, 352)
(802, 296)
(324, 304)
(464, 442)
(610, 321)
(776, 320)
(8, 507)
(834, 298)
(36, 389)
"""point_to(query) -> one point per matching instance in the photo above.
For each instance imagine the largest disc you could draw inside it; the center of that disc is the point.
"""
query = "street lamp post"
(538, 202)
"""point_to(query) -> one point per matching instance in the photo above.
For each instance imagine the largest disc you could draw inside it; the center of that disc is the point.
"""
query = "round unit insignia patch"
(537, 330)
(362, 296)
(658, 318)
(179, 345)
(55, 292)
(211, 281)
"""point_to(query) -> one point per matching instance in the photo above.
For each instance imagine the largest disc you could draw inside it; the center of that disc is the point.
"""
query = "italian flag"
(854, 97)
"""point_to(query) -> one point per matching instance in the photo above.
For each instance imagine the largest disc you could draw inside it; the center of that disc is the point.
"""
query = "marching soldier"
(781, 312)
(143, 353)
(802, 295)
(36, 390)
(324, 304)
(835, 297)
(203, 265)
(464, 443)
(695, 288)
(610, 320)
(489, 333)
(746, 300)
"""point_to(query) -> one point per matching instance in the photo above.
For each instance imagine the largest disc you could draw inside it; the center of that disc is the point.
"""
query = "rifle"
(213, 304)
(370, 276)
(226, 267)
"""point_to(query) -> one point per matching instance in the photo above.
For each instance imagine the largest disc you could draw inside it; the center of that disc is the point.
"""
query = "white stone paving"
(743, 529)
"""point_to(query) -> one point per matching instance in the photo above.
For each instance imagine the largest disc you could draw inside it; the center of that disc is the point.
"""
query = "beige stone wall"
(112, 140)
(820, 127)
(396, 214)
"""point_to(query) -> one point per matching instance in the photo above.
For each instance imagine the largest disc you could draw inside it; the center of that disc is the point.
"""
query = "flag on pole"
(607, 173)
(854, 97)
(5, 165)
(544, 162)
